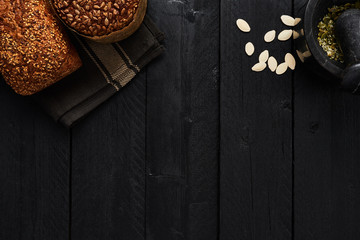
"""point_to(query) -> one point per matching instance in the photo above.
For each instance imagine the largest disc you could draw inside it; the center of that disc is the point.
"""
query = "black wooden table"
(197, 147)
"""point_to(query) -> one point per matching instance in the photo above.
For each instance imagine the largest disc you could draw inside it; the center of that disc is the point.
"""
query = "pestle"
(347, 30)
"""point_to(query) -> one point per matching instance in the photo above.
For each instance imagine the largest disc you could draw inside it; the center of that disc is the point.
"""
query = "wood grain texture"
(108, 168)
(256, 127)
(34, 171)
(145, 164)
(183, 123)
(326, 171)
(327, 167)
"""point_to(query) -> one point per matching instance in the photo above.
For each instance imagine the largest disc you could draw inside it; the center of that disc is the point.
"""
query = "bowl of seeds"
(319, 28)
(104, 21)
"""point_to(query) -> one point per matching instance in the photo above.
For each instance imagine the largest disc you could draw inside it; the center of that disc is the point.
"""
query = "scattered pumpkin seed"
(290, 61)
(243, 25)
(272, 63)
(281, 69)
(270, 36)
(264, 59)
(297, 21)
(326, 35)
(288, 20)
(300, 55)
(249, 49)
(306, 54)
(285, 35)
(264, 56)
(259, 67)
(296, 35)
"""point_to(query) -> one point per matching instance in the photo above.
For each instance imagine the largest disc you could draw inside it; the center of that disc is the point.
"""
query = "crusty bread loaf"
(103, 21)
(34, 49)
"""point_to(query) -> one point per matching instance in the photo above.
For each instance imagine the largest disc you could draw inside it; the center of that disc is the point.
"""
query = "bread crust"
(35, 51)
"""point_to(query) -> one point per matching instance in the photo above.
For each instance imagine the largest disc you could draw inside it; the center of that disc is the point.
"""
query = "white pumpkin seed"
(249, 49)
(296, 35)
(243, 25)
(288, 20)
(297, 20)
(259, 67)
(270, 36)
(281, 69)
(290, 61)
(264, 56)
(306, 54)
(300, 55)
(272, 63)
(285, 35)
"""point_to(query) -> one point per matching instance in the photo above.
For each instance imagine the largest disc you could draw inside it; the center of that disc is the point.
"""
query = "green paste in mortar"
(326, 36)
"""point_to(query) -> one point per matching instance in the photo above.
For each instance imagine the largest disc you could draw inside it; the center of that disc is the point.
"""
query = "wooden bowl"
(85, 20)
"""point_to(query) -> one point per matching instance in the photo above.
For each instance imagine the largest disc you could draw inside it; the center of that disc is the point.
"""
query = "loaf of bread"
(103, 21)
(35, 52)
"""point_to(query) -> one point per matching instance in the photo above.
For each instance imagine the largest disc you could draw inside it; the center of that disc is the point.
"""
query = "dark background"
(197, 147)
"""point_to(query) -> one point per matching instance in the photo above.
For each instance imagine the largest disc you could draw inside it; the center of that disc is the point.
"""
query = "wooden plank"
(327, 167)
(34, 171)
(108, 168)
(183, 123)
(256, 127)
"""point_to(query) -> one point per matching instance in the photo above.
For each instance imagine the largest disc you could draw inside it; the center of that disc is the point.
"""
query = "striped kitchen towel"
(106, 69)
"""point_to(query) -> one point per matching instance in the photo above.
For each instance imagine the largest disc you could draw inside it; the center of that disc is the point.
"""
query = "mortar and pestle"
(347, 29)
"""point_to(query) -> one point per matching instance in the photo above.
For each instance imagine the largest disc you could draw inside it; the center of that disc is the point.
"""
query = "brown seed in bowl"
(105, 15)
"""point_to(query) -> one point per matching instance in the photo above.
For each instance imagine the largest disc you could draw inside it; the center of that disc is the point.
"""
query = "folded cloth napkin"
(106, 69)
